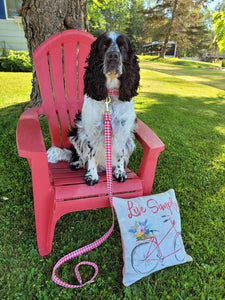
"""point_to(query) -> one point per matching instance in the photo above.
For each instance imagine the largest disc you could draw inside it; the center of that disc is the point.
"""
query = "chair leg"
(43, 194)
(43, 205)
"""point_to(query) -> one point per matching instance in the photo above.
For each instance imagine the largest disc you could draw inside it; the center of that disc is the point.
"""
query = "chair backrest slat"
(83, 49)
(42, 67)
(57, 77)
(70, 69)
(60, 63)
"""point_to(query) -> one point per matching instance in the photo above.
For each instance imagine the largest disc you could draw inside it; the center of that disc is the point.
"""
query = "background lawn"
(185, 106)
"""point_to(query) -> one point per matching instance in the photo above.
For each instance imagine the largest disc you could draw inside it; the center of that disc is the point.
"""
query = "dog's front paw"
(76, 165)
(91, 177)
(120, 175)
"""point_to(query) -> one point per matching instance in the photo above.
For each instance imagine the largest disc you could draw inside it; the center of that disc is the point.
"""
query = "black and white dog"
(112, 71)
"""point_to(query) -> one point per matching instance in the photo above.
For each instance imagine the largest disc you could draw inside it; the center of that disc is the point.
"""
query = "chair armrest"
(30, 144)
(152, 146)
(29, 137)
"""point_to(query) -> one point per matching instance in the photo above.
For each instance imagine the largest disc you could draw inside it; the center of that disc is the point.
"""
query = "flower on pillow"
(141, 230)
(151, 234)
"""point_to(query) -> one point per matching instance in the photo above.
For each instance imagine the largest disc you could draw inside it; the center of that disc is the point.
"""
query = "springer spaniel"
(112, 71)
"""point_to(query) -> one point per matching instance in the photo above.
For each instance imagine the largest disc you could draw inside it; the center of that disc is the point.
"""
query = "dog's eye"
(104, 46)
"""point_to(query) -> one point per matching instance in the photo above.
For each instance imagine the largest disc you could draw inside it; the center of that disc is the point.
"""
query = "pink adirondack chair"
(57, 190)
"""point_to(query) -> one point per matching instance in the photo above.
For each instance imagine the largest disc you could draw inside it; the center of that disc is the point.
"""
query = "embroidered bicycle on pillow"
(153, 249)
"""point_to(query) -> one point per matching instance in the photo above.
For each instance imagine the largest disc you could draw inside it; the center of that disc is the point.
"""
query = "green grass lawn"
(15, 88)
(185, 106)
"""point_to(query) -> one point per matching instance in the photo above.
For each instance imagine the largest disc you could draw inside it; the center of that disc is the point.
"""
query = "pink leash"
(95, 244)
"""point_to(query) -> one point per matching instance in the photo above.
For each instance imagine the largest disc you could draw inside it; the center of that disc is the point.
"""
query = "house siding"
(12, 36)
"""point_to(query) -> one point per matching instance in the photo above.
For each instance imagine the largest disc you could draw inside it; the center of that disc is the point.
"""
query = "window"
(13, 7)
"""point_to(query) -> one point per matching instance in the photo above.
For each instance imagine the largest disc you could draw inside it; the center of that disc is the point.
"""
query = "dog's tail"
(56, 154)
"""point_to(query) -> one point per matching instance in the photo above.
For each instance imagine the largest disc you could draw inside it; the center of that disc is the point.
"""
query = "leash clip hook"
(107, 102)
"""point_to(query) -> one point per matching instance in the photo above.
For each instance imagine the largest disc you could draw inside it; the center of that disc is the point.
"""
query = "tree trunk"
(170, 27)
(43, 18)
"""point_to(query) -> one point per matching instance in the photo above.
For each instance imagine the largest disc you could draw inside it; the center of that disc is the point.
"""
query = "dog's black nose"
(113, 55)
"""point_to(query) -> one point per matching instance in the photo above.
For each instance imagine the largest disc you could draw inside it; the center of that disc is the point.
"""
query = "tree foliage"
(220, 6)
(110, 15)
(184, 21)
(119, 15)
(179, 20)
(219, 27)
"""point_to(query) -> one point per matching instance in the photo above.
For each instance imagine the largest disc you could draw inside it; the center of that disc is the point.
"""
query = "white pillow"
(150, 229)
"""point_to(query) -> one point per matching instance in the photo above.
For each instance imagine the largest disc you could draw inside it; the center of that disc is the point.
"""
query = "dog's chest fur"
(91, 126)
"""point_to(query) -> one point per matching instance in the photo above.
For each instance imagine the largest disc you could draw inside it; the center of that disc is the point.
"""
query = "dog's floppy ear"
(129, 80)
(94, 79)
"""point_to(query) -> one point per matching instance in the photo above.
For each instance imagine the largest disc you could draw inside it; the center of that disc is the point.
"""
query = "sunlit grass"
(15, 88)
(196, 72)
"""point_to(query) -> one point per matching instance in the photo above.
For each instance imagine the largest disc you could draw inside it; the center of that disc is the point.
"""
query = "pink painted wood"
(57, 190)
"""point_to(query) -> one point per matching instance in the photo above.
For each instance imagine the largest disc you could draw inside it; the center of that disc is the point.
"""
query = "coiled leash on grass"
(108, 155)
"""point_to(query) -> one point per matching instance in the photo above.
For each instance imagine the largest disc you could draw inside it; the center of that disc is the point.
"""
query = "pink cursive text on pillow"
(153, 205)
(135, 211)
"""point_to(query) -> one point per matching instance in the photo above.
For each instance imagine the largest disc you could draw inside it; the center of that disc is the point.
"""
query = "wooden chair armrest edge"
(29, 136)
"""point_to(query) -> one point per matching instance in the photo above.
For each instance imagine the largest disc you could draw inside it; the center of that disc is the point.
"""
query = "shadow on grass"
(193, 164)
(193, 132)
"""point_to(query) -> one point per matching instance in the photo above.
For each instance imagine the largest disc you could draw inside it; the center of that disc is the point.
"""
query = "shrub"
(223, 63)
(16, 61)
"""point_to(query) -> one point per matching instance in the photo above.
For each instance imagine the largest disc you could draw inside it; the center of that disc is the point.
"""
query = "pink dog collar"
(113, 92)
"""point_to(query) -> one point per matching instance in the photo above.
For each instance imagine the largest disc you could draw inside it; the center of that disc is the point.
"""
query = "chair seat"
(69, 186)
